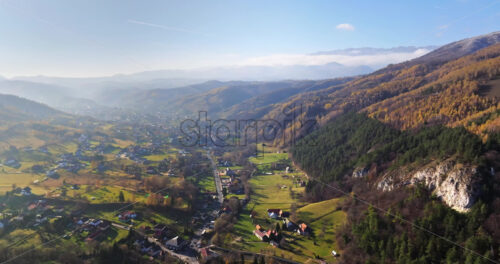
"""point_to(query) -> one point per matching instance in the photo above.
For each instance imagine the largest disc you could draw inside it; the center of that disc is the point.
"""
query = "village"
(127, 205)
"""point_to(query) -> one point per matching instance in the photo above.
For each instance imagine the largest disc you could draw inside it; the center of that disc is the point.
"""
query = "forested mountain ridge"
(410, 94)
(449, 95)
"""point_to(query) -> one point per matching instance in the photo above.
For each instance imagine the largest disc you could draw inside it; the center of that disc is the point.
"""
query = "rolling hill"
(234, 99)
(14, 109)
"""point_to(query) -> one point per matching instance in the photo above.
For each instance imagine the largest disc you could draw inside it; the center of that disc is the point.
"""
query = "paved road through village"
(218, 182)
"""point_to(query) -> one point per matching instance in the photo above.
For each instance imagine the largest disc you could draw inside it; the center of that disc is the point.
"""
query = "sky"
(99, 38)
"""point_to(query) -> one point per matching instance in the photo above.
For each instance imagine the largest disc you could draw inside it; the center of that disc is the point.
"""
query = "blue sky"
(97, 38)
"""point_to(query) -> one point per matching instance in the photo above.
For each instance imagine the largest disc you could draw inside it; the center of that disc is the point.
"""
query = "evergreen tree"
(121, 197)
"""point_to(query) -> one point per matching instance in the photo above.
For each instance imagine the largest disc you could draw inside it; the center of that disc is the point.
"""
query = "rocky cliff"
(456, 184)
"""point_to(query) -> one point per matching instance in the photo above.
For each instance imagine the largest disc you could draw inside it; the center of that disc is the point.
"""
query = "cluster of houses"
(176, 243)
(150, 248)
(301, 229)
(157, 249)
(37, 208)
(206, 253)
(230, 181)
(167, 238)
(52, 173)
(272, 236)
(136, 153)
(26, 191)
(224, 163)
(161, 168)
(13, 163)
(94, 227)
(38, 204)
(84, 145)
(162, 239)
(40, 207)
(127, 216)
(70, 162)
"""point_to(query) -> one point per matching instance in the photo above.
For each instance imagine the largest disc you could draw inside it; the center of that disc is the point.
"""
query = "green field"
(324, 218)
(267, 158)
(105, 194)
(276, 191)
(9, 176)
(205, 182)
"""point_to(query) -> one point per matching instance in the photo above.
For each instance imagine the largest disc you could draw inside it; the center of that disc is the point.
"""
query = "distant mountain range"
(78, 95)
(232, 99)
(179, 92)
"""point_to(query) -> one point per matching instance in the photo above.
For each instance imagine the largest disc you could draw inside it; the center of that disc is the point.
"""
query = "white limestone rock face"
(456, 184)
(360, 172)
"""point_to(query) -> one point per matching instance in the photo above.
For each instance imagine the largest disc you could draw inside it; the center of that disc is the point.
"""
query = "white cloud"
(345, 27)
(348, 59)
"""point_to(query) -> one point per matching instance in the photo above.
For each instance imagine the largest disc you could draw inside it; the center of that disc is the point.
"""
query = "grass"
(20, 179)
(266, 158)
(147, 217)
(323, 217)
(206, 182)
(105, 194)
(267, 193)
(27, 236)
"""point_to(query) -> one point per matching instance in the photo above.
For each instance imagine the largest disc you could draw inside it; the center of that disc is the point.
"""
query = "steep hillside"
(410, 94)
(448, 95)
(416, 145)
(259, 105)
(13, 108)
(357, 146)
